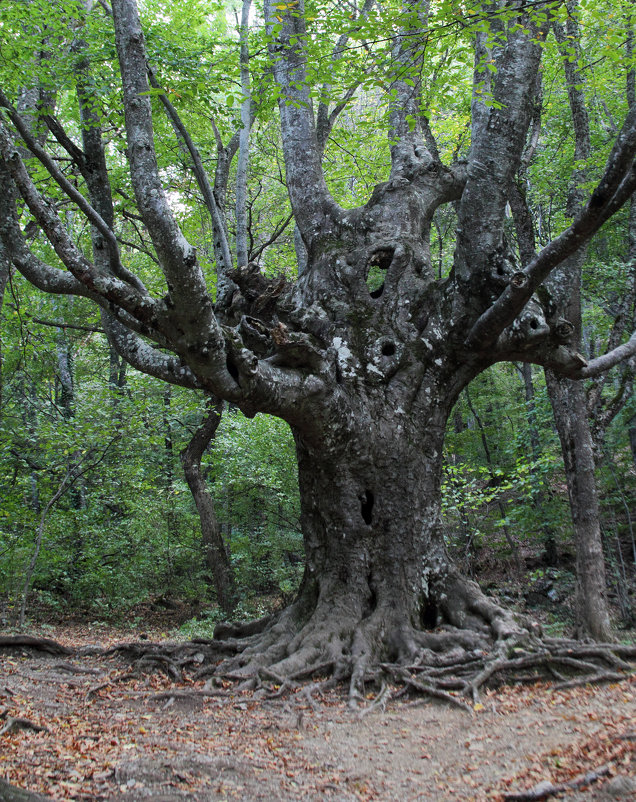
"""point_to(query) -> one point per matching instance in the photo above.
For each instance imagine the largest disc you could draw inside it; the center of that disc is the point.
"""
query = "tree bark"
(570, 415)
(369, 449)
(377, 578)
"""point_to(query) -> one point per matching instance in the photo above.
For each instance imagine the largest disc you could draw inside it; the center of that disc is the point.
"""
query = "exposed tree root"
(546, 789)
(379, 657)
(449, 664)
(10, 793)
(71, 669)
(29, 642)
(194, 693)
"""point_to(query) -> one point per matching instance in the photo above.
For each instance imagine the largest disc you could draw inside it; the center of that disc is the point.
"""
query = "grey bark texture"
(570, 416)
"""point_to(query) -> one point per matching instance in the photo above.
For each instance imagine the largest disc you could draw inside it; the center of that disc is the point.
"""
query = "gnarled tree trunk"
(369, 446)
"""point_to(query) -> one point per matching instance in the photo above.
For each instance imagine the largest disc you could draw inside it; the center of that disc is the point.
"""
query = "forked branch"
(612, 191)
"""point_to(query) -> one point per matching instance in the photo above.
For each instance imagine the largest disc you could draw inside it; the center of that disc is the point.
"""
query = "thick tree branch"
(314, 209)
(14, 173)
(43, 276)
(186, 284)
(409, 152)
(224, 262)
(136, 351)
(145, 358)
(224, 156)
(614, 357)
(189, 321)
(500, 125)
(65, 185)
(95, 171)
(614, 188)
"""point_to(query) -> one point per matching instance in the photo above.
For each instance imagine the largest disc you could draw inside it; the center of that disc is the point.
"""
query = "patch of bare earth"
(101, 732)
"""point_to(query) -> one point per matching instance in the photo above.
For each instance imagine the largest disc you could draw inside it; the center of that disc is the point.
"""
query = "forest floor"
(109, 735)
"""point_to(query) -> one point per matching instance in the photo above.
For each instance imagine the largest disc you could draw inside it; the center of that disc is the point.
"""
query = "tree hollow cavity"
(366, 507)
(377, 266)
(232, 369)
(429, 614)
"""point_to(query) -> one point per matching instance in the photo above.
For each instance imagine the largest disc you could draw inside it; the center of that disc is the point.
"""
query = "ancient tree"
(366, 374)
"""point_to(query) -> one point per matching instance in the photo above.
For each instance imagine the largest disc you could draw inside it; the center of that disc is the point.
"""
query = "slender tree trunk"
(73, 474)
(117, 366)
(569, 408)
(62, 488)
(66, 403)
(31, 449)
(65, 375)
(568, 397)
(217, 558)
(116, 372)
(467, 530)
(570, 415)
(632, 436)
(168, 451)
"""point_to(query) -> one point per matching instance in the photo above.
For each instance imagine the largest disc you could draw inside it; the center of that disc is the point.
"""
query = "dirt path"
(109, 737)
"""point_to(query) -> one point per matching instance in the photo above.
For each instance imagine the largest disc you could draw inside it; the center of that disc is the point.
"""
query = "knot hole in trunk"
(377, 266)
(366, 507)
